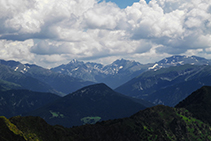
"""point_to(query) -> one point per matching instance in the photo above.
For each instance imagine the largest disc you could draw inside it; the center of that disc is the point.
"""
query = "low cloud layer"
(50, 32)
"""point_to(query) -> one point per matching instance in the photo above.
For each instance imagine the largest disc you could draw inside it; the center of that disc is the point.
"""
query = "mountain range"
(169, 85)
(68, 78)
(167, 81)
(155, 123)
(165, 78)
(121, 71)
(113, 75)
(36, 78)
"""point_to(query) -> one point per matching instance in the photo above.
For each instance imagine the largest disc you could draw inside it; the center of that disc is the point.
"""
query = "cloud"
(17, 50)
(176, 25)
(57, 31)
(42, 17)
(102, 16)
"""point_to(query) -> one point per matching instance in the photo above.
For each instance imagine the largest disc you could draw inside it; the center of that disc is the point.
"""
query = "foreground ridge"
(156, 123)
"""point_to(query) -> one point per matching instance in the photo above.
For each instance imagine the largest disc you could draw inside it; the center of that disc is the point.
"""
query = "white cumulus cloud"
(50, 31)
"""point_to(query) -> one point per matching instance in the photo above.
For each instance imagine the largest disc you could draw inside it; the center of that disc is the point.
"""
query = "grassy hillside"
(9, 131)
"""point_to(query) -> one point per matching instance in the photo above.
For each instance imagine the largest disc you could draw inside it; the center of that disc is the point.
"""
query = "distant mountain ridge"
(167, 86)
(113, 75)
(178, 60)
(60, 84)
(68, 78)
(121, 71)
(11, 79)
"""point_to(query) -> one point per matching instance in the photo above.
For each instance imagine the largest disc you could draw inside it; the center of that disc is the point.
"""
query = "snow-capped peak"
(74, 61)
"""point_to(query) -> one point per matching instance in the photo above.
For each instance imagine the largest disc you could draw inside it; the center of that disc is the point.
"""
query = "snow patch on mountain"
(153, 67)
(16, 69)
(75, 69)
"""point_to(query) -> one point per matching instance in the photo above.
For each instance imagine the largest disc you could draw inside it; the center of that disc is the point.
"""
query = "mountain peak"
(173, 59)
(74, 61)
(99, 88)
(98, 85)
(123, 61)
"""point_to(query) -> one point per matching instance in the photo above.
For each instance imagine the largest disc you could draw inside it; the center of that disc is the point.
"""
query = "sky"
(51, 32)
(124, 3)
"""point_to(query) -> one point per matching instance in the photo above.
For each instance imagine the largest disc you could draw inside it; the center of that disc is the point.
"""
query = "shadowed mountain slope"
(167, 86)
(17, 102)
(88, 105)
